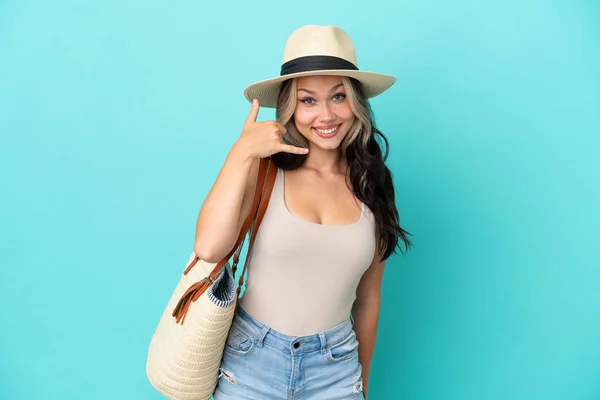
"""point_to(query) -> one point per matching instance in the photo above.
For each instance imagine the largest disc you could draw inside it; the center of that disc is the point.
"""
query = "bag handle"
(262, 209)
(261, 185)
(267, 172)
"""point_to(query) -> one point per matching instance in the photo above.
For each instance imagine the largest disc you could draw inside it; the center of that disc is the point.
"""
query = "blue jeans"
(262, 364)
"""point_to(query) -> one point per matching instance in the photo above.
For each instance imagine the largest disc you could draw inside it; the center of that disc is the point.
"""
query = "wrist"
(240, 153)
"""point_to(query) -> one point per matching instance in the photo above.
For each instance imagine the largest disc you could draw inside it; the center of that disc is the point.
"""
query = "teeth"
(327, 131)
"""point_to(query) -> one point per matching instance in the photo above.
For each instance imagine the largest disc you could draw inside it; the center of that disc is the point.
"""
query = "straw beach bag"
(187, 346)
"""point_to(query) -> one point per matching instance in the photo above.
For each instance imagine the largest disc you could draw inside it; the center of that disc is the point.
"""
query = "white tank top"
(303, 276)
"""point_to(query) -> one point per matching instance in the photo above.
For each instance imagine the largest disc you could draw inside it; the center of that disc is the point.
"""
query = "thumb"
(253, 111)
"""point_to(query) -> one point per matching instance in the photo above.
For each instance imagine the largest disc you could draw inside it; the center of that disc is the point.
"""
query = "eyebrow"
(331, 90)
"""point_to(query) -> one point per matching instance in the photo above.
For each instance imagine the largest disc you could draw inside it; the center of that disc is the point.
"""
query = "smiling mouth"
(327, 133)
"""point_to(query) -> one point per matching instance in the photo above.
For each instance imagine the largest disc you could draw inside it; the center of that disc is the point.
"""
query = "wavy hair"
(370, 179)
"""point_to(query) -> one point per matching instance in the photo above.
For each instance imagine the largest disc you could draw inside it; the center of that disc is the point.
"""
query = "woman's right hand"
(263, 139)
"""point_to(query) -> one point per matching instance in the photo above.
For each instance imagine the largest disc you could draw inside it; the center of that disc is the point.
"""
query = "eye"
(307, 100)
(339, 96)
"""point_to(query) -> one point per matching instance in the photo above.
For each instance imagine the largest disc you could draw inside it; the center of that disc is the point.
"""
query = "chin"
(327, 145)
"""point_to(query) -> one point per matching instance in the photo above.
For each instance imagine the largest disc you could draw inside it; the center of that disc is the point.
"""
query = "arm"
(228, 203)
(366, 316)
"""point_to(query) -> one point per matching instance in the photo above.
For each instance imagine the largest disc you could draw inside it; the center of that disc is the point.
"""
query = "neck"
(325, 160)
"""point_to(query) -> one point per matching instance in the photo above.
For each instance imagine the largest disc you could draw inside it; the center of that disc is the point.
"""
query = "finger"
(281, 127)
(253, 111)
(288, 148)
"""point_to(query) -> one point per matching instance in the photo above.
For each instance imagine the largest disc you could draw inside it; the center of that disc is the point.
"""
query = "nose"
(327, 113)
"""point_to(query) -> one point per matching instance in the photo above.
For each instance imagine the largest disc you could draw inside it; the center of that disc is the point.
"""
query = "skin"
(317, 191)
(330, 201)
(322, 104)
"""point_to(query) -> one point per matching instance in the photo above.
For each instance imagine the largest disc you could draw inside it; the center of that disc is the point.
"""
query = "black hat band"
(315, 63)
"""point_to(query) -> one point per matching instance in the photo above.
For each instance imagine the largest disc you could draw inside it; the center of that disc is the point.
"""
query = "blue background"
(116, 116)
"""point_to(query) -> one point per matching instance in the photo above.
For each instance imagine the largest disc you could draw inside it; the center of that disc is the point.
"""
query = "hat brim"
(267, 91)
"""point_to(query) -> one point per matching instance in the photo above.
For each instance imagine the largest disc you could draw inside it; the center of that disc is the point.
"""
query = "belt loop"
(323, 340)
(261, 336)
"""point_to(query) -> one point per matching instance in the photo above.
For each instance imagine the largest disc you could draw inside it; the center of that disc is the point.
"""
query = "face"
(323, 114)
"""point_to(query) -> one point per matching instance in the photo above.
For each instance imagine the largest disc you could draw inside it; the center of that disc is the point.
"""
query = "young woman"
(314, 279)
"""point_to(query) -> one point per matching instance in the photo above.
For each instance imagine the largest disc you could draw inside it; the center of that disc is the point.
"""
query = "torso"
(328, 202)
(310, 252)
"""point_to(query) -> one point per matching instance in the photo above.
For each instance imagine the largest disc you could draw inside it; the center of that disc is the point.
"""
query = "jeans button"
(296, 345)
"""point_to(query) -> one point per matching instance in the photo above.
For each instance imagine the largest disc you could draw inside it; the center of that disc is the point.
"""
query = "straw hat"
(318, 50)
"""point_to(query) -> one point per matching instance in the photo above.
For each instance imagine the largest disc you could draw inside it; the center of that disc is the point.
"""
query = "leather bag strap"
(267, 173)
(271, 175)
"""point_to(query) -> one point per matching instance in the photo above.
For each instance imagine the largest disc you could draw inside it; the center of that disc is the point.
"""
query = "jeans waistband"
(317, 342)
